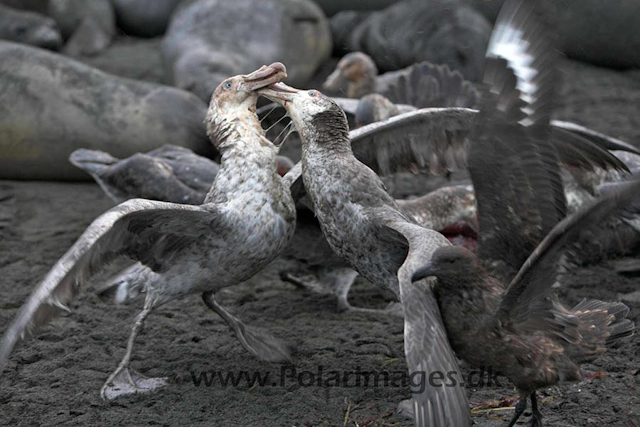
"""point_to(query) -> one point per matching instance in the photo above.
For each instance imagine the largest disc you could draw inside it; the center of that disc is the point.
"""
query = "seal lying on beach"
(51, 105)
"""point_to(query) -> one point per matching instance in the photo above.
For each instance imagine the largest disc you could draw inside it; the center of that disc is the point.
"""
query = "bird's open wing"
(514, 170)
(146, 231)
(576, 151)
(518, 200)
(513, 167)
(527, 302)
(427, 347)
(352, 107)
(426, 85)
(604, 141)
(431, 138)
(524, 37)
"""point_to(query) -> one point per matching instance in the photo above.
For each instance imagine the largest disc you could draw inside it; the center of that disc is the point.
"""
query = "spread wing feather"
(604, 141)
(579, 152)
(427, 85)
(524, 37)
(513, 167)
(527, 298)
(146, 231)
(432, 138)
(517, 202)
(427, 347)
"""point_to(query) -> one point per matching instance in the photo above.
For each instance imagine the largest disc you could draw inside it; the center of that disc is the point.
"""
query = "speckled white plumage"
(247, 219)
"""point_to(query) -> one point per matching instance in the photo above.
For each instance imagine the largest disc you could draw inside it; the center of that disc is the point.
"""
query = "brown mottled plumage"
(521, 330)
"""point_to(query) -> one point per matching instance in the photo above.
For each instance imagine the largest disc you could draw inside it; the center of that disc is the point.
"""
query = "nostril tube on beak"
(278, 67)
(267, 71)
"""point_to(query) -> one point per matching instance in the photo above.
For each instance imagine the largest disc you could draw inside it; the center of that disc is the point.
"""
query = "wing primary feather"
(534, 279)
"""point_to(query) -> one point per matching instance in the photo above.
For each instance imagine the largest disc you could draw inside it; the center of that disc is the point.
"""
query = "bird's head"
(451, 265)
(234, 100)
(238, 92)
(356, 71)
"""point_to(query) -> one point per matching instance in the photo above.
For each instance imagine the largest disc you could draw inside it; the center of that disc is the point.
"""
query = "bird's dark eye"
(313, 93)
(226, 85)
(20, 30)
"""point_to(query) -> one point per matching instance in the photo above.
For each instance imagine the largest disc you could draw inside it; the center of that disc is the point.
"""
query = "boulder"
(209, 40)
(144, 18)
(411, 31)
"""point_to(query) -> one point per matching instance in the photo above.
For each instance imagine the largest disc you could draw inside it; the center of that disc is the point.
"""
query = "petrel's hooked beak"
(422, 272)
(334, 81)
(265, 76)
(279, 93)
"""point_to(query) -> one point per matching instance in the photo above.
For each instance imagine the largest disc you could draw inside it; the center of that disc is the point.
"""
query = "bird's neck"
(327, 137)
(477, 283)
(362, 87)
(248, 161)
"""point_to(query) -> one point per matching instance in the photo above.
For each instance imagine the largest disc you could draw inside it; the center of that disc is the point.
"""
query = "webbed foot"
(125, 381)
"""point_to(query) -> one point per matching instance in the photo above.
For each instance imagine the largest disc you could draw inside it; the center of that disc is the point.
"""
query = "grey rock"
(603, 33)
(39, 6)
(489, 8)
(29, 28)
(88, 39)
(51, 105)
(70, 15)
(599, 32)
(208, 40)
(144, 18)
(332, 7)
(438, 31)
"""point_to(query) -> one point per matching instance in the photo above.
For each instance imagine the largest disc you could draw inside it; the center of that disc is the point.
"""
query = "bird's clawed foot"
(520, 407)
(125, 381)
(405, 407)
(536, 416)
(536, 419)
(262, 344)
